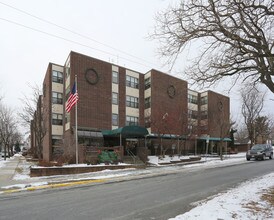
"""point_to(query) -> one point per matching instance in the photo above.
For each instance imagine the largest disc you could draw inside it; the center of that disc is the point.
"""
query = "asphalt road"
(159, 197)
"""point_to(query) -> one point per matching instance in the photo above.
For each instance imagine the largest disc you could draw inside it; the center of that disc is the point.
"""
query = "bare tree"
(29, 105)
(34, 111)
(252, 105)
(241, 134)
(222, 127)
(263, 125)
(237, 38)
(8, 129)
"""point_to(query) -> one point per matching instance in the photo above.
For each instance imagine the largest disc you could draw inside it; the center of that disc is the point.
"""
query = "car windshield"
(258, 147)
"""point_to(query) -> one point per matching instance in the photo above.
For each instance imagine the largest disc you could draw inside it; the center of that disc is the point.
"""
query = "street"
(159, 197)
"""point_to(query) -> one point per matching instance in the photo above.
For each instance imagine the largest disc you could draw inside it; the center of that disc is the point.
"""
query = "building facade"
(111, 97)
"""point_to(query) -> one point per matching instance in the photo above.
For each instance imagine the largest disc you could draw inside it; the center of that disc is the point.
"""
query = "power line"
(71, 41)
(73, 32)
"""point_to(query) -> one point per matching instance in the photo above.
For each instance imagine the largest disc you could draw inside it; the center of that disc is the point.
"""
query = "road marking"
(55, 185)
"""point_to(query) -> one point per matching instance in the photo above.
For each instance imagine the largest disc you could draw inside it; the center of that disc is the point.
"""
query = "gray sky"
(103, 29)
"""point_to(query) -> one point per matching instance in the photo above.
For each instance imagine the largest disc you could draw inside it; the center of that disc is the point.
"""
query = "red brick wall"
(94, 106)
(162, 103)
(47, 93)
(141, 100)
(122, 97)
(218, 115)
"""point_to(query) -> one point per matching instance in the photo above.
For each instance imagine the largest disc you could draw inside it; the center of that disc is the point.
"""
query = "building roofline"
(101, 60)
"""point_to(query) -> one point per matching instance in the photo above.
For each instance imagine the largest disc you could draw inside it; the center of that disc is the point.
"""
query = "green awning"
(166, 136)
(127, 132)
(215, 139)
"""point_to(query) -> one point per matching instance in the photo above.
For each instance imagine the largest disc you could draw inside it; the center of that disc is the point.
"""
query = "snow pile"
(22, 171)
(228, 159)
(23, 186)
(243, 202)
(2, 163)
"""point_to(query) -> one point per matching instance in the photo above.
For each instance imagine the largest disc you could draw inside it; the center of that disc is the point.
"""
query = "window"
(204, 127)
(57, 77)
(132, 102)
(115, 98)
(67, 118)
(67, 68)
(131, 120)
(57, 119)
(132, 82)
(56, 140)
(115, 78)
(57, 98)
(147, 102)
(192, 114)
(147, 83)
(192, 99)
(204, 100)
(147, 122)
(203, 115)
(115, 119)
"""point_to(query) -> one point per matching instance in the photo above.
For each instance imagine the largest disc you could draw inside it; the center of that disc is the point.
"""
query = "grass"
(256, 207)
(269, 197)
(19, 170)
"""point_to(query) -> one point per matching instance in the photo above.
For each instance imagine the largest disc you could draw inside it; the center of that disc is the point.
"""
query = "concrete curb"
(53, 185)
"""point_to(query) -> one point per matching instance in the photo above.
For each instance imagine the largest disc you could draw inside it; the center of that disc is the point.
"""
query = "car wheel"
(247, 158)
(271, 156)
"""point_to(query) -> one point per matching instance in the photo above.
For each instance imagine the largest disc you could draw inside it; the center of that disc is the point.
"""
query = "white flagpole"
(76, 123)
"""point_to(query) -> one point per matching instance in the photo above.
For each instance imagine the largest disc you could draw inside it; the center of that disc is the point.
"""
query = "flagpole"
(76, 124)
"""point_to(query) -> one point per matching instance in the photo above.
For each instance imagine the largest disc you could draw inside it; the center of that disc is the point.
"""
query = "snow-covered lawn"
(244, 202)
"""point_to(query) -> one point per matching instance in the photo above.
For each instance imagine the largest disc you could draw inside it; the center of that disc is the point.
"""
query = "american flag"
(73, 98)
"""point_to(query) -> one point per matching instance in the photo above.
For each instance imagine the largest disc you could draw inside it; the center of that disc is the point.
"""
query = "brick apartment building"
(111, 97)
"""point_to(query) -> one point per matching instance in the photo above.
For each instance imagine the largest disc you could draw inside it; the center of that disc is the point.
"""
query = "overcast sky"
(114, 31)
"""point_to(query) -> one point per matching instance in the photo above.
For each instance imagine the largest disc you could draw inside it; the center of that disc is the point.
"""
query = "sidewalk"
(7, 170)
(12, 167)
(14, 174)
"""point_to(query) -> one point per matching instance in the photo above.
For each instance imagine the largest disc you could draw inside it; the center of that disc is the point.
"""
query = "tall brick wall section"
(122, 97)
(94, 106)
(47, 94)
(141, 100)
(169, 99)
(218, 114)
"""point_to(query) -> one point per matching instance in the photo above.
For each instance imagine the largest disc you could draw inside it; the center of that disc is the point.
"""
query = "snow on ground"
(2, 162)
(236, 203)
(243, 202)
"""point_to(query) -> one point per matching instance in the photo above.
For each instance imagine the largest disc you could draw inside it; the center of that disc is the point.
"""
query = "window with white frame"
(204, 115)
(115, 119)
(204, 100)
(131, 120)
(147, 102)
(115, 77)
(132, 101)
(115, 99)
(192, 99)
(147, 122)
(147, 83)
(57, 98)
(132, 82)
(57, 119)
(192, 114)
(57, 76)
